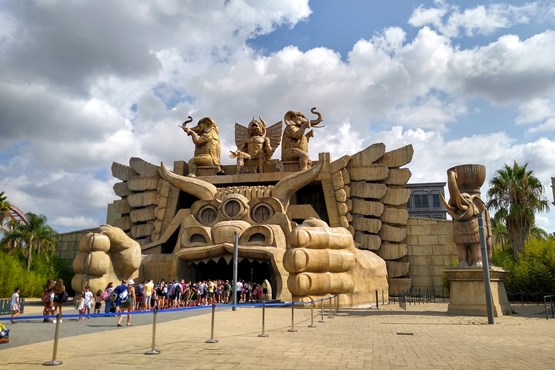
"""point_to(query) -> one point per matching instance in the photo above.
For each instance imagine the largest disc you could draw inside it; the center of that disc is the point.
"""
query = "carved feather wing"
(241, 135)
(274, 134)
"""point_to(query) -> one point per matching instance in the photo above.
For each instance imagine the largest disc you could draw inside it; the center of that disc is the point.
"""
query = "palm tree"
(539, 233)
(35, 237)
(499, 232)
(5, 208)
(516, 195)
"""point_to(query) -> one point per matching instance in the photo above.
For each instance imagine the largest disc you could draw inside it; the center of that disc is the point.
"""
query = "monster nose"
(223, 231)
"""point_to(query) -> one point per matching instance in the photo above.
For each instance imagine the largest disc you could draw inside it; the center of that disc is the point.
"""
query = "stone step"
(368, 241)
(392, 251)
(367, 190)
(372, 172)
(398, 157)
(395, 216)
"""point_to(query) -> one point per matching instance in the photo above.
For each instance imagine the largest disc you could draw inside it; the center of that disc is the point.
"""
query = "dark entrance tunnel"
(255, 271)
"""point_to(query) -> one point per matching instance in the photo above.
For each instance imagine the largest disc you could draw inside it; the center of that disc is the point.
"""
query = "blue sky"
(85, 84)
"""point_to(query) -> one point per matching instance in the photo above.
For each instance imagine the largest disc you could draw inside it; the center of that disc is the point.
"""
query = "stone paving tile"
(353, 339)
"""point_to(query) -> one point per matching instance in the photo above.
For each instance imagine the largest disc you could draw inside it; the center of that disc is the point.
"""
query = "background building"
(424, 200)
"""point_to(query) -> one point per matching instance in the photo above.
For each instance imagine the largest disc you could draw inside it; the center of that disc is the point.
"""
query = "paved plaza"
(422, 337)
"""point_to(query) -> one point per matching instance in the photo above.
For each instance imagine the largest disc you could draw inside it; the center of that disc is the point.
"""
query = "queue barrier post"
(377, 301)
(336, 303)
(292, 330)
(54, 361)
(212, 340)
(321, 310)
(153, 350)
(330, 314)
(311, 314)
(263, 334)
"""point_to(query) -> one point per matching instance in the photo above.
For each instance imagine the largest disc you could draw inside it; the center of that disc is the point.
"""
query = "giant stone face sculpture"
(310, 228)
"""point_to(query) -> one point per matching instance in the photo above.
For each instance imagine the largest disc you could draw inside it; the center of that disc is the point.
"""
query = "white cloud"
(507, 70)
(76, 95)
(450, 21)
(76, 222)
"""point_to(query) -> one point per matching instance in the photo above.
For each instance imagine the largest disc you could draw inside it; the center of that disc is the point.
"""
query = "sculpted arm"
(297, 134)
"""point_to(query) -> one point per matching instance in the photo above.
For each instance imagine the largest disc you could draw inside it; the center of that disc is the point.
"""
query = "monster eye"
(262, 213)
(232, 208)
(207, 215)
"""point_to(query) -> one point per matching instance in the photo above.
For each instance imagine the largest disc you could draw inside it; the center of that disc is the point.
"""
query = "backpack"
(105, 295)
(63, 297)
(177, 289)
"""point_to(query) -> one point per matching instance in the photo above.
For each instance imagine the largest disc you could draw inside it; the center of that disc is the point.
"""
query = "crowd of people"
(173, 294)
(128, 297)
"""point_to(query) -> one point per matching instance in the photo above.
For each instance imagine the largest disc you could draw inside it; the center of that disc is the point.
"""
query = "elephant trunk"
(454, 192)
(316, 121)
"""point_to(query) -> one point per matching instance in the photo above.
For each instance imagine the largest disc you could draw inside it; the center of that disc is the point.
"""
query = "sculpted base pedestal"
(468, 295)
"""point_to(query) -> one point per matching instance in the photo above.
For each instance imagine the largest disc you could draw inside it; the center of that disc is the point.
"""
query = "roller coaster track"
(16, 215)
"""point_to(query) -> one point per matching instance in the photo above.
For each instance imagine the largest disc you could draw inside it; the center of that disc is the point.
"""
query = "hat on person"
(130, 282)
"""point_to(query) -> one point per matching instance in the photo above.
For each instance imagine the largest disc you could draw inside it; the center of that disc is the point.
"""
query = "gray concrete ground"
(422, 337)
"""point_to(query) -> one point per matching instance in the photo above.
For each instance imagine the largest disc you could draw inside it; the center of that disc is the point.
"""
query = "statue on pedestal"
(256, 142)
(464, 206)
(206, 138)
(295, 141)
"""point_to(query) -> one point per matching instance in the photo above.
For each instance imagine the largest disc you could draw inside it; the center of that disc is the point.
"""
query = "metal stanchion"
(336, 304)
(212, 340)
(263, 334)
(153, 350)
(383, 298)
(55, 362)
(311, 314)
(377, 300)
(321, 311)
(330, 315)
(292, 318)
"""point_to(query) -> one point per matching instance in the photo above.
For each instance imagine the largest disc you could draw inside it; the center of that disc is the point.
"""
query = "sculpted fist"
(322, 260)
(107, 255)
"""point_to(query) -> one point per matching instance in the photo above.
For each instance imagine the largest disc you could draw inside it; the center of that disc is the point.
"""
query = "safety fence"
(416, 296)
(549, 300)
(523, 297)
(328, 304)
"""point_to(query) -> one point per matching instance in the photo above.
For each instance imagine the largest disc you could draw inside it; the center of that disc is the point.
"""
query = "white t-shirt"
(15, 301)
(88, 296)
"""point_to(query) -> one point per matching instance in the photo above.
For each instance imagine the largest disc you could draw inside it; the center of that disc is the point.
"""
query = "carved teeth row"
(227, 258)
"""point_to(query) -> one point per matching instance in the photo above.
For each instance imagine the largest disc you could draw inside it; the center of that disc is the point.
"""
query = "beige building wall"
(430, 251)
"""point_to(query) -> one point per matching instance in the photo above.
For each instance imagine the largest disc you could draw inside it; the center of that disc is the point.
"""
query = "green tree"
(516, 195)
(5, 207)
(33, 237)
(499, 232)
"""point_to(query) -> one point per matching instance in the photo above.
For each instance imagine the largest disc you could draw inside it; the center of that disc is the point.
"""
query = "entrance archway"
(255, 271)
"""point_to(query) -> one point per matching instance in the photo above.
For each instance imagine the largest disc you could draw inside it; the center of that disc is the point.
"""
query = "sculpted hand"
(322, 260)
(107, 255)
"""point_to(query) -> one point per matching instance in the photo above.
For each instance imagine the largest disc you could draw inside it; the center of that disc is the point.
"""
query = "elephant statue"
(464, 206)
(295, 141)
(206, 138)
